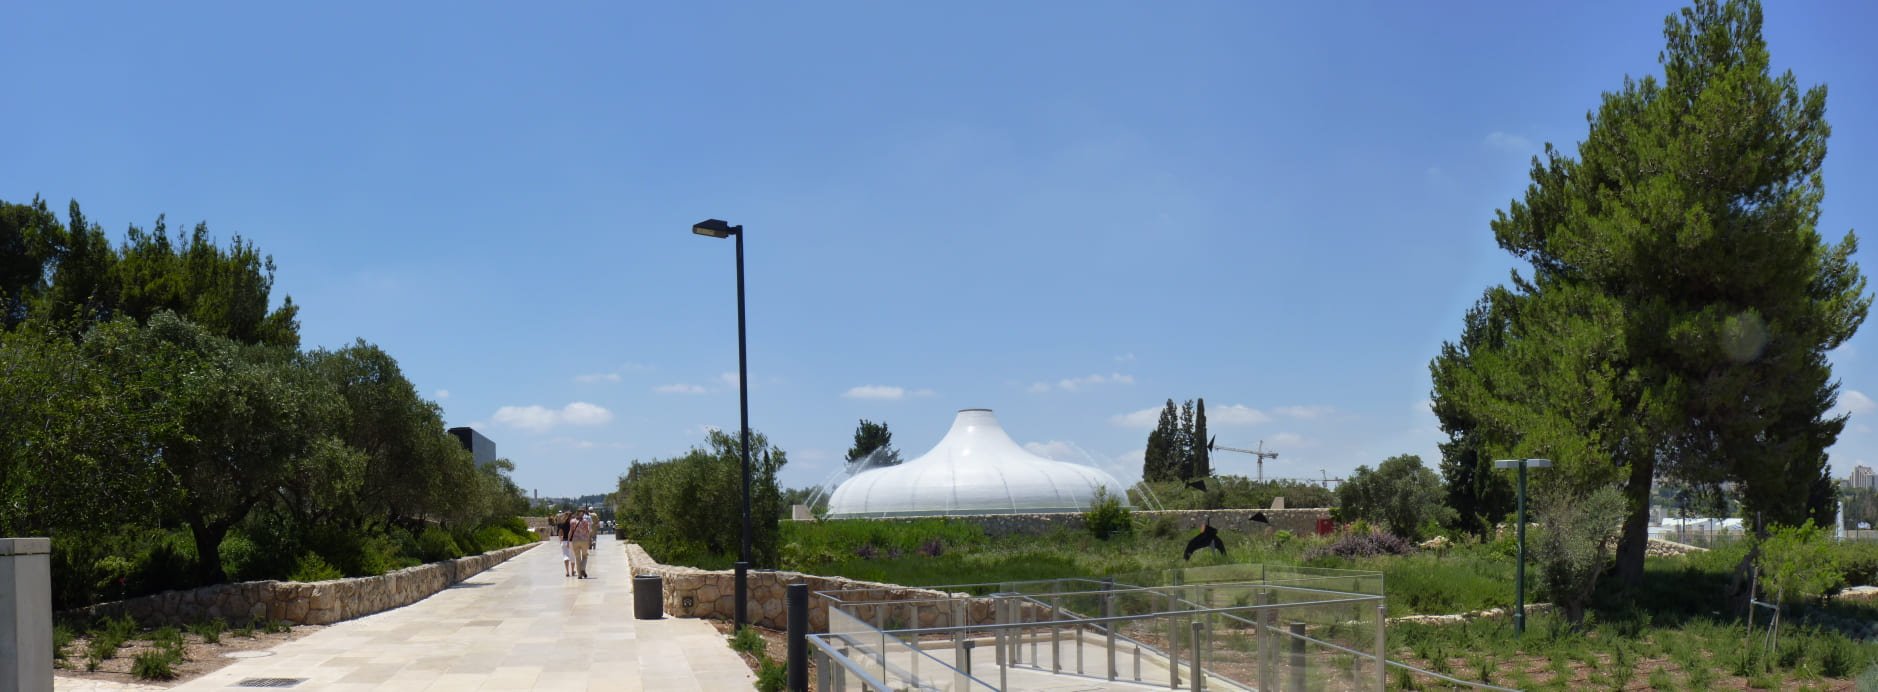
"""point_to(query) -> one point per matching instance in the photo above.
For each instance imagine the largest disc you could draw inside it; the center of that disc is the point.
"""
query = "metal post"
(913, 624)
(841, 678)
(1267, 617)
(1001, 639)
(1173, 643)
(1056, 634)
(798, 597)
(1297, 655)
(1137, 662)
(1199, 681)
(1382, 647)
(1108, 611)
(1519, 571)
(743, 405)
(822, 664)
(961, 646)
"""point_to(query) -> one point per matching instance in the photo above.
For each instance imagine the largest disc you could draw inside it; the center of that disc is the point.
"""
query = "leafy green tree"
(869, 438)
(408, 469)
(1681, 300)
(232, 424)
(1479, 495)
(224, 290)
(29, 238)
(690, 508)
(1400, 494)
(1180, 446)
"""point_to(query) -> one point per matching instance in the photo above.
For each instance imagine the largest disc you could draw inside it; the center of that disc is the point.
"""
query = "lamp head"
(715, 228)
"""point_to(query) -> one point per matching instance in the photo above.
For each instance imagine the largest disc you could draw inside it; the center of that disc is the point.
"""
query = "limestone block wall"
(712, 594)
(314, 603)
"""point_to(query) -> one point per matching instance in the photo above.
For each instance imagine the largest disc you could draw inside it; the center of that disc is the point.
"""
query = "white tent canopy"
(976, 469)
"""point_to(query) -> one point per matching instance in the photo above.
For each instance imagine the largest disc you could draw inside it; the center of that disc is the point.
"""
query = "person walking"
(580, 532)
(562, 525)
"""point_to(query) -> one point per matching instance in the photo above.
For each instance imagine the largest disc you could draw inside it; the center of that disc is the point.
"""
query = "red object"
(1325, 526)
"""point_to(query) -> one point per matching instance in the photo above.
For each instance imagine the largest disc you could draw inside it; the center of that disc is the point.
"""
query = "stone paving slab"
(518, 626)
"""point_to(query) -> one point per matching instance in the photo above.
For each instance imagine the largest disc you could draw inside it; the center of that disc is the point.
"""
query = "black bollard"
(798, 602)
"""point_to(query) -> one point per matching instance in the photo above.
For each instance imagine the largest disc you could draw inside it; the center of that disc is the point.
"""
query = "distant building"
(481, 448)
(1862, 477)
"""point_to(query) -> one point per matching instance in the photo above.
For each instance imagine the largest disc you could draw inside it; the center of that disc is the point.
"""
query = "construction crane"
(1260, 453)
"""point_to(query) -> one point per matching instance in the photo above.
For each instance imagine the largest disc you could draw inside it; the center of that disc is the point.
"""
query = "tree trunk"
(1635, 543)
(209, 551)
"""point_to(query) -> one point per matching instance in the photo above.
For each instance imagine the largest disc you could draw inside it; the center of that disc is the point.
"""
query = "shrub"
(1797, 563)
(1356, 545)
(210, 632)
(748, 641)
(771, 676)
(436, 544)
(155, 665)
(1107, 517)
(1578, 541)
(62, 637)
(311, 567)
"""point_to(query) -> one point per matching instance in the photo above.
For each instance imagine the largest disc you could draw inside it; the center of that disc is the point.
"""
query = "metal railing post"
(1056, 634)
(822, 666)
(1382, 644)
(1297, 655)
(961, 646)
(1199, 680)
(1108, 611)
(913, 624)
(1137, 662)
(1002, 639)
(1173, 642)
(1265, 658)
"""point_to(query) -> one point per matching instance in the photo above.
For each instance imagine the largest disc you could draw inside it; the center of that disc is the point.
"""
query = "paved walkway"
(518, 626)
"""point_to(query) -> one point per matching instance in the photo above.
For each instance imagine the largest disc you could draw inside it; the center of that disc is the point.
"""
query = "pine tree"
(1182, 457)
(1201, 465)
(1154, 461)
(1681, 301)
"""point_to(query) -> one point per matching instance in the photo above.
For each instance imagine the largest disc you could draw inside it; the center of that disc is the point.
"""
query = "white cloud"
(1289, 439)
(443, 394)
(597, 377)
(1509, 142)
(1076, 384)
(875, 391)
(922, 392)
(1235, 414)
(540, 418)
(1144, 418)
(679, 388)
(730, 379)
(1305, 412)
(583, 413)
(1856, 402)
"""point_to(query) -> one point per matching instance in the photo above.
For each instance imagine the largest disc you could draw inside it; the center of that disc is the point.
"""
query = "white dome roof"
(976, 469)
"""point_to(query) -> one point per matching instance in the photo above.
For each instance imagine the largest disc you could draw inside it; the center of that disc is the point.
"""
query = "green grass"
(210, 632)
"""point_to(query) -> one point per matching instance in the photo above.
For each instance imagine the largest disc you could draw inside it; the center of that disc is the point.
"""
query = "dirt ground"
(200, 658)
(775, 643)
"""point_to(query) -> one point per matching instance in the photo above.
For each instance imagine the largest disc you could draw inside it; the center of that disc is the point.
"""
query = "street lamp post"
(720, 229)
(1519, 570)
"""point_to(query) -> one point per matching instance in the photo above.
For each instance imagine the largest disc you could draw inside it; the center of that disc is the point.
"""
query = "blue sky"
(1067, 212)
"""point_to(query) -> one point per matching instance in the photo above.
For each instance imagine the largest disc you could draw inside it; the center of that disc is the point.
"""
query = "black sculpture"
(1260, 518)
(1199, 485)
(1208, 536)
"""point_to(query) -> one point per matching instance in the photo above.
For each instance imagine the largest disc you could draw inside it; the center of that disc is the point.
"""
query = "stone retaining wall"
(1298, 521)
(712, 594)
(313, 603)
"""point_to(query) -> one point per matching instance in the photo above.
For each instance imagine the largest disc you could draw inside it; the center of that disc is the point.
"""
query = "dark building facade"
(480, 447)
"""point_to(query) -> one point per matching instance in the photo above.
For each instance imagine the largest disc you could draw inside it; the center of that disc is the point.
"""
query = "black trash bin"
(648, 597)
